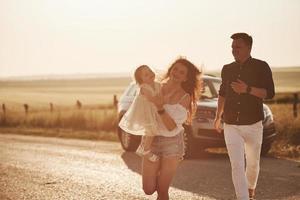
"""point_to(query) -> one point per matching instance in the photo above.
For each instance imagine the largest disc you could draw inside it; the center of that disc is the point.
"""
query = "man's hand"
(217, 124)
(239, 86)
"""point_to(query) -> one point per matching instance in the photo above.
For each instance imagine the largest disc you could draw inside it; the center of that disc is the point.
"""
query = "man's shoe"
(251, 194)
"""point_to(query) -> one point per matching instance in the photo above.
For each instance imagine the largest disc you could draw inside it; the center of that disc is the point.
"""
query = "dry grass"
(100, 122)
(96, 118)
(93, 123)
(287, 125)
(72, 121)
(288, 128)
(40, 93)
(281, 148)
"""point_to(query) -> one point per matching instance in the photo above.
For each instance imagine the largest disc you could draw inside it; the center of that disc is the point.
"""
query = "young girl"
(142, 117)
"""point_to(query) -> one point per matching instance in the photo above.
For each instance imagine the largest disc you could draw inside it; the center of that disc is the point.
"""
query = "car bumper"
(211, 138)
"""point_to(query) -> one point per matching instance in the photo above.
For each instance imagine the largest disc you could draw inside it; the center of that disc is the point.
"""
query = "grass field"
(40, 93)
(286, 80)
(98, 91)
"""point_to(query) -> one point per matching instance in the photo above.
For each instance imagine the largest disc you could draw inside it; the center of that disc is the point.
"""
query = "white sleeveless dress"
(142, 118)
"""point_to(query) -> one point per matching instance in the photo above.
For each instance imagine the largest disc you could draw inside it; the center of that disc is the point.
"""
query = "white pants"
(244, 141)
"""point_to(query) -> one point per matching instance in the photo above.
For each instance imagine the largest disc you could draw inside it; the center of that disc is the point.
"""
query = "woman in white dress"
(142, 118)
(175, 104)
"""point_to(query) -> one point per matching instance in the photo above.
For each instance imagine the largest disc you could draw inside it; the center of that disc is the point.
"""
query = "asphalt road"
(53, 168)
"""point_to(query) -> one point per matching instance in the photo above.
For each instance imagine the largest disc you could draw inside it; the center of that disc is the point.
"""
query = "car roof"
(205, 77)
(211, 77)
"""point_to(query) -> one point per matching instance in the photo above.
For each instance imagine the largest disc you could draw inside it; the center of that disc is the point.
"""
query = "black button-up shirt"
(245, 109)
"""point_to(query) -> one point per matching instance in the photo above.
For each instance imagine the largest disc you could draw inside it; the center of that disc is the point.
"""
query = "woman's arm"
(166, 118)
(168, 121)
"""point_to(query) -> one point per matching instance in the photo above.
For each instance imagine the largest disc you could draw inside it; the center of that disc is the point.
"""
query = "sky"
(49, 37)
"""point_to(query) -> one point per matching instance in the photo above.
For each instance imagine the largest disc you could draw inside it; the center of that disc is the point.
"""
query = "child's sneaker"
(140, 151)
(148, 154)
(152, 157)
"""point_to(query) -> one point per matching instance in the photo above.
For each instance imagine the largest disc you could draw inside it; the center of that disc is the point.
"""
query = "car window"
(216, 84)
(210, 88)
(206, 91)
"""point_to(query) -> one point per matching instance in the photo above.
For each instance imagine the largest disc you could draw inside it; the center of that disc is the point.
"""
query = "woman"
(176, 105)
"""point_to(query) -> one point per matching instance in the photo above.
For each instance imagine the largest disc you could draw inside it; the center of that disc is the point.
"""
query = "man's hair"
(244, 36)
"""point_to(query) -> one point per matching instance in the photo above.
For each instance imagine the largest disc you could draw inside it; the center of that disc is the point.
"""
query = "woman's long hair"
(191, 86)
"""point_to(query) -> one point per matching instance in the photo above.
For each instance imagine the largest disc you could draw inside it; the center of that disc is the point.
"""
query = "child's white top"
(142, 118)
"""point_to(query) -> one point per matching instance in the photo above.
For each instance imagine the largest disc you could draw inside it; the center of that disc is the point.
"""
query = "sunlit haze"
(84, 37)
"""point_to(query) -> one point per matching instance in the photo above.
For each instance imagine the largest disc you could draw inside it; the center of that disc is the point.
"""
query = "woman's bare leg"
(149, 175)
(167, 171)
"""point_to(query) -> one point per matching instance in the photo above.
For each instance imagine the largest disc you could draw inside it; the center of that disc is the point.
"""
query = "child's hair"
(137, 74)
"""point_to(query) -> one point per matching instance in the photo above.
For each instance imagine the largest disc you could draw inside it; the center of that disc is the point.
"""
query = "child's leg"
(147, 148)
(145, 145)
(141, 149)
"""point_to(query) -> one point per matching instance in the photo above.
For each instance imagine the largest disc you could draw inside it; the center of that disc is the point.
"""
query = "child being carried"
(141, 118)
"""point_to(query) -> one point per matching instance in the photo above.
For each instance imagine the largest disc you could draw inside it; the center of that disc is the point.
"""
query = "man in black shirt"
(245, 83)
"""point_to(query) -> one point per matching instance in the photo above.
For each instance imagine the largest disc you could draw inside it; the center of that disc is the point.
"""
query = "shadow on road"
(210, 175)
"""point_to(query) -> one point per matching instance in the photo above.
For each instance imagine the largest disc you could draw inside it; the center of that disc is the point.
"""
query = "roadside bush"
(287, 126)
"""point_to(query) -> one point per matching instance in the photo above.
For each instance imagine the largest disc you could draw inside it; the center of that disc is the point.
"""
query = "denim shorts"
(168, 146)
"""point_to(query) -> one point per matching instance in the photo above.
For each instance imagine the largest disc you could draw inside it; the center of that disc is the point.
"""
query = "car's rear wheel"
(192, 148)
(265, 148)
(128, 141)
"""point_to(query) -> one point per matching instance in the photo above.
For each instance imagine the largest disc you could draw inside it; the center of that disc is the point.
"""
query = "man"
(245, 83)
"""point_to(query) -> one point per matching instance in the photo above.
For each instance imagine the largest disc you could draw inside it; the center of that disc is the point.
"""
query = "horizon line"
(97, 74)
